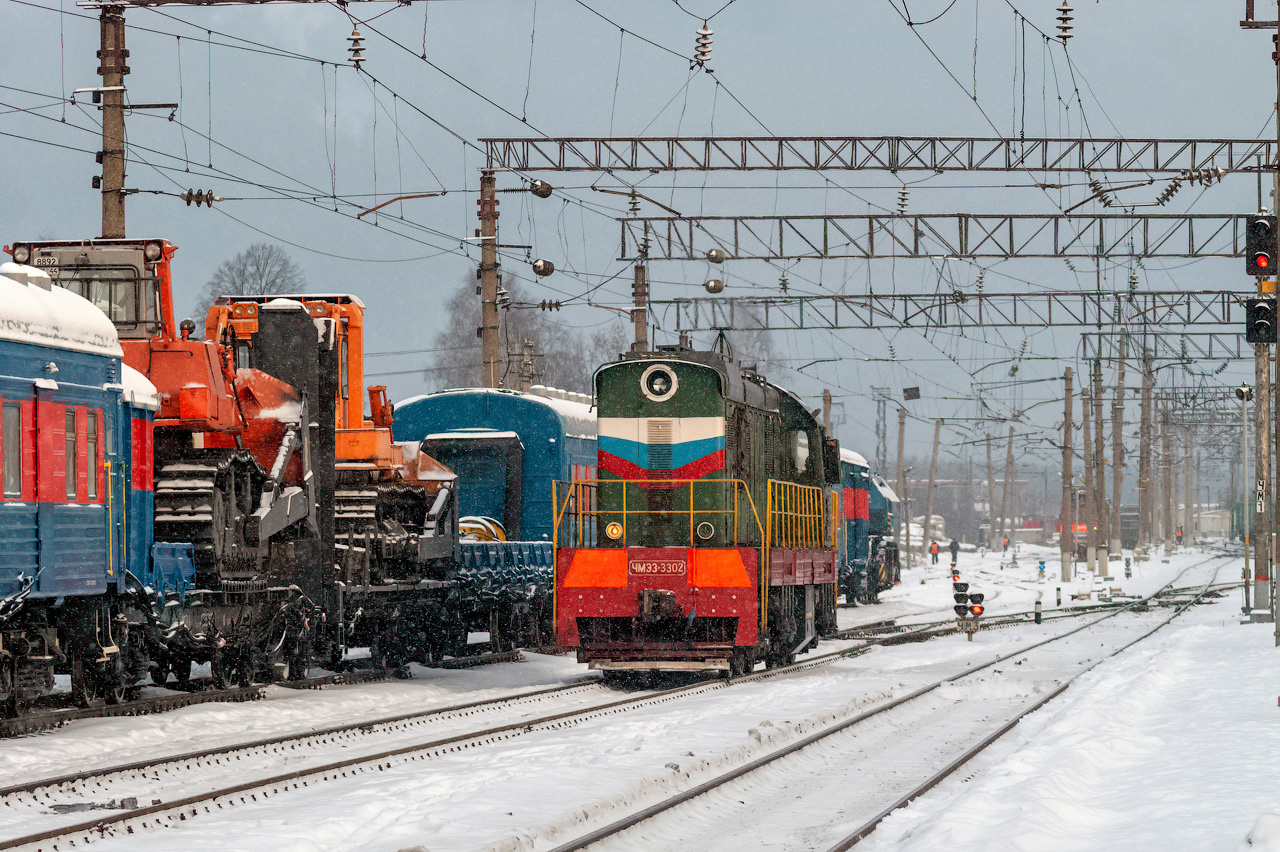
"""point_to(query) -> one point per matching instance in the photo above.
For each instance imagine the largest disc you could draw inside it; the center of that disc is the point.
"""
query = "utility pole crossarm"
(940, 235)
(875, 153)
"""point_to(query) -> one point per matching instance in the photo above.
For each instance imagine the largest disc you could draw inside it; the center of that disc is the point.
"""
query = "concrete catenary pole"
(1066, 541)
(1166, 479)
(640, 312)
(1145, 491)
(933, 475)
(1099, 472)
(826, 413)
(112, 69)
(993, 542)
(902, 487)
(1262, 478)
(1117, 445)
(488, 213)
(1005, 525)
(1090, 496)
(1188, 531)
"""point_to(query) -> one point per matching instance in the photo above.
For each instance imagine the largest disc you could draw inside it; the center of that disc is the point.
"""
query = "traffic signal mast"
(968, 606)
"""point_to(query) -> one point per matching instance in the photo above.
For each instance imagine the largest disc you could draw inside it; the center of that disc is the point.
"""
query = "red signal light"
(976, 609)
(1261, 260)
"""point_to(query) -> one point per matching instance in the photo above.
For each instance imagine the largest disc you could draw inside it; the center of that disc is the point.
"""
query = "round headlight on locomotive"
(659, 382)
(21, 253)
(613, 530)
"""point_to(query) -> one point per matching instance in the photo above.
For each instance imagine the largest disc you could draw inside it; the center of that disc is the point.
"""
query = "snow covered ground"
(1168, 746)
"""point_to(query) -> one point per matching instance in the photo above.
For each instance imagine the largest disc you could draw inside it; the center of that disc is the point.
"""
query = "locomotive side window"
(91, 444)
(12, 449)
(71, 454)
(800, 449)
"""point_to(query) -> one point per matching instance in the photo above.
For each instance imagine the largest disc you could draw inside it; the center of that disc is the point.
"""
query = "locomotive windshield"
(131, 302)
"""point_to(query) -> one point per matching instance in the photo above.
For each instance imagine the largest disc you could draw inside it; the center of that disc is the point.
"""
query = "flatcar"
(79, 561)
(708, 540)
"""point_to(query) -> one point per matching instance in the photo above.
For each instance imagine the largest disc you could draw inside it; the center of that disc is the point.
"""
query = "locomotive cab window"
(11, 448)
(132, 303)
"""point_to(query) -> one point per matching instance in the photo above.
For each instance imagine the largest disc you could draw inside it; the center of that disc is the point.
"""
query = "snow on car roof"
(39, 312)
(851, 457)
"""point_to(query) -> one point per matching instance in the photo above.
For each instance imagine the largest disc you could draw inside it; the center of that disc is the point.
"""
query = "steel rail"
(653, 810)
(867, 828)
(193, 805)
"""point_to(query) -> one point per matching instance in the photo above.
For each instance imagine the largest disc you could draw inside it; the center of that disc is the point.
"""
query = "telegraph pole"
(1066, 539)
(1117, 446)
(902, 483)
(933, 473)
(1090, 496)
(488, 331)
(112, 56)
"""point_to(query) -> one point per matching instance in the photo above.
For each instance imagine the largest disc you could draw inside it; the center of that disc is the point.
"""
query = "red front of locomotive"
(668, 608)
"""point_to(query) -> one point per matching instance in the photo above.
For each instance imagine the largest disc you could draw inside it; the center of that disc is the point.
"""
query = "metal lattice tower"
(882, 429)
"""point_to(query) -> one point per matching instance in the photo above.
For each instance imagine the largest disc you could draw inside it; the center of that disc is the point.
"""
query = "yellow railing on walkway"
(578, 520)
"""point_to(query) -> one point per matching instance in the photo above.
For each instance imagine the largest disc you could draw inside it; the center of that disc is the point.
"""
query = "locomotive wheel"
(160, 672)
(85, 688)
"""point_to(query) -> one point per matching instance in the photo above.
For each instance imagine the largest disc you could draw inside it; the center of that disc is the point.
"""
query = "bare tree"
(562, 357)
(263, 269)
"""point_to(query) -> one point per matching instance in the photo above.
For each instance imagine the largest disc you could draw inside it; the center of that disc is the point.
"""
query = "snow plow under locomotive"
(709, 540)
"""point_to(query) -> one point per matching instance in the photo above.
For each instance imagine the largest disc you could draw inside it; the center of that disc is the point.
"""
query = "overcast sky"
(267, 120)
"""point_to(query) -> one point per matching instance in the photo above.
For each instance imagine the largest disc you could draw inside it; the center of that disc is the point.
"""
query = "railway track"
(142, 795)
(60, 711)
(745, 790)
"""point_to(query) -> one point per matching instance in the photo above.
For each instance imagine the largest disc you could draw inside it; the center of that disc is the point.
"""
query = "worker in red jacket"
(933, 551)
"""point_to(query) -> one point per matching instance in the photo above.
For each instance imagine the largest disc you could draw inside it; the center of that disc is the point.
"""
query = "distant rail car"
(708, 540)
(869, 561)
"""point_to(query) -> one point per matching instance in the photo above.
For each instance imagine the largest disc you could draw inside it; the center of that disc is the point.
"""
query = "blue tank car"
(79, 566)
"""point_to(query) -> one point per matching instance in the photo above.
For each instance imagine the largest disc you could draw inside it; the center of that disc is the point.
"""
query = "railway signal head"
(1260, 245)
(961, 597)
(975, 604)
(1260, 320)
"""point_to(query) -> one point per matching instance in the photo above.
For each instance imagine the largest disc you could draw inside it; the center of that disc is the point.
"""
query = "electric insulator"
(1064, 21)
(1070, 265)
(1170, 191)
(357, 46)
(541, 188)
(504, 298)
(716, 256)
(199, 198)
(783, 283)
(633, 204)
(982, 274)
(903, 195)
(543, 268)
(714, 285)
(702, 53)
(1133, 283)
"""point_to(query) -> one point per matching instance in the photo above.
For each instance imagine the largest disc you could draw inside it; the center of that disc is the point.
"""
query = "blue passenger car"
(75, 496)
(869, 550)
(506, 448)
